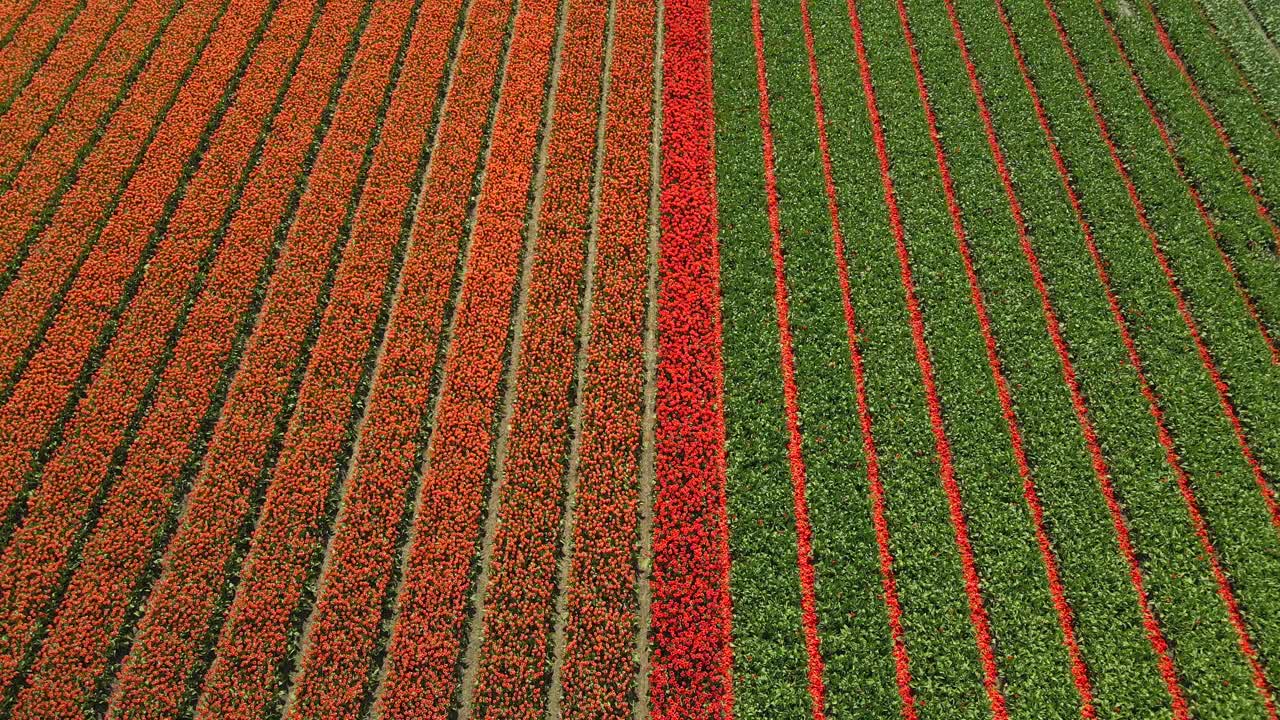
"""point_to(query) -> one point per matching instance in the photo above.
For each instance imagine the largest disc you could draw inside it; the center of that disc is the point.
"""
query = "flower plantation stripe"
(1079, 671)
(250, 673)
(158, 454)
(35, 37)
(424, 652)
(692, 655)
(1246, 177)
(977, 611)
(45, 172)
(57, 79)
(795, 456)
(11, 15)
(69, 303)
(1230, 30)
(1184, 309)
(890, 586)
(93, 301)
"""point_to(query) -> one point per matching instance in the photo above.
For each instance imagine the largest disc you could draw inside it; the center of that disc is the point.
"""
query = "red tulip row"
(425, 644)
(36, 36)
(816, 666)
(599, 671)
(513, 673)
(1250, 182)
(1166, 138)
(1246, 296)
(692, 658)
(1153, 630)
(879, 510)
(36, 159)
(1193, 326)
(63, 223)
(31, 566)
(1230, 56)
(171, 637)
(346, 624)
(51, 82)
(293, 526)
(1224, 588)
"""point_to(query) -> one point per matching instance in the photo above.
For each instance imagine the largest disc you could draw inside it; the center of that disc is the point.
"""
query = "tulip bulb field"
(639, 359)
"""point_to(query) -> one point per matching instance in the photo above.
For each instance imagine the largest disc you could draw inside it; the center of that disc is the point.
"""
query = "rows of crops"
(591, 358)
(327, 340)
(1009, 450)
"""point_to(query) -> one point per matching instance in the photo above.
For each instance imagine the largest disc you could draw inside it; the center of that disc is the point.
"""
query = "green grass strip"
(1268, 16)
(1093, 572)
(1233, 505)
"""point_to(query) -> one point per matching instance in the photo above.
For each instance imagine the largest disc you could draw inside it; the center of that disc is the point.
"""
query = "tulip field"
(671, 359)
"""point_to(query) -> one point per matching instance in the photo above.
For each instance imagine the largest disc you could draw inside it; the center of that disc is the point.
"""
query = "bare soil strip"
(644, 560)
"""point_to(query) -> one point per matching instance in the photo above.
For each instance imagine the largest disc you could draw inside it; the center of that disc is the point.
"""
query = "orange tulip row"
(32, 563)
(66, 333)
(289, 541)
(245, 675)
(83, 308)
(36, 159)
(174, 633)
(425, 644)
(599, 671)
(12, 12)
(56, 219)
(33, 108)
(346, 625)
(513, 671)
(136, 500)
(34, 37)
(692, 658)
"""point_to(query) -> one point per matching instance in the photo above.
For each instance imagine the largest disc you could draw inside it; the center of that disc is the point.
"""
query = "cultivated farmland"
(666, 359)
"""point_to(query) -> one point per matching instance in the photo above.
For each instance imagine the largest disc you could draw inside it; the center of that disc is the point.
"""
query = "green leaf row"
(1207, 161)
(1211, 668)
(768, 650)
(1235, 32)
(1240, 107)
